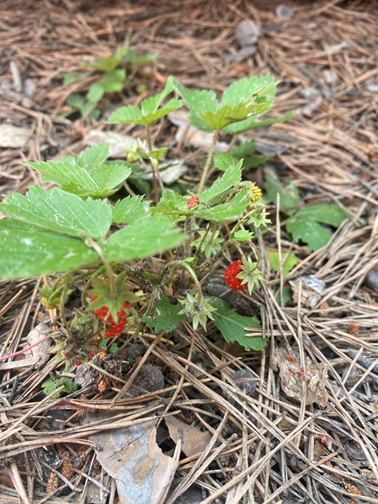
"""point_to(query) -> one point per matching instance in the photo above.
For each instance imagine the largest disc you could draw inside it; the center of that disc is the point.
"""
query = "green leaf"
(93, 156)
(171, 203)
(310, 232)
(233, 326)
(156, 154)
(289, 195)
(59, 211)
(143, 238)
(327, 214)
(231, 177)
(255, 161)
(96, 181)
(96, 92)
(26, 254)
(304, 224)
(130, 209)
(149, 111)
(253, 123)
(223, 160)
(242, 89)
(166, 316)
(243, 99)
(225, 212)
(50, 385)
(113, 81)
(289, 263)
(244, 149)
(70, 77)
(243, 235)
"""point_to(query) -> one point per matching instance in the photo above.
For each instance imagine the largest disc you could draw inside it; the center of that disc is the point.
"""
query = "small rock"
(247, 33)
(283, 12)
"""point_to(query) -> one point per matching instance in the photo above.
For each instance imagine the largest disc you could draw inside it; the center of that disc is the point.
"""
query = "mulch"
(287, 450)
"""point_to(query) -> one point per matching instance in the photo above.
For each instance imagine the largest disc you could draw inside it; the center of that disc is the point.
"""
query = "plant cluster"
(110, 75)
(136, 262)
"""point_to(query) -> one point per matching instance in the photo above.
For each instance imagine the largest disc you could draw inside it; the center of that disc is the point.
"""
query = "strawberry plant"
(141, 262)
(110, 74)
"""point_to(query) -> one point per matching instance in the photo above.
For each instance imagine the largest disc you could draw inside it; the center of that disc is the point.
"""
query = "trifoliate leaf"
(234, 327)
(230, 178)
(130, 209)
(289, 196)
(166, 316)
(28, 254)
(289, 263)
(143, 238)
(149, 111)
(59, 211)
(239, 102)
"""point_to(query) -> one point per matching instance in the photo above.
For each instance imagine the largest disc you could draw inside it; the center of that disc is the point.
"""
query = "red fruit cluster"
(232, 270)
(115, 327)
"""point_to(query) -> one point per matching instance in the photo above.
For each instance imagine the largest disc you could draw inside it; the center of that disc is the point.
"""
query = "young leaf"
(156, 154)
(243, 235)
(50, 385)
(289, 263)
(166, 316)
(289, 195)
(113, 81)
(96, 92)
(142, 238)
(130, 209)
(233, 326)
(134, 115)
(59, 211)
(149, 111)
(171, 203)
(231, 177)
(26, 254)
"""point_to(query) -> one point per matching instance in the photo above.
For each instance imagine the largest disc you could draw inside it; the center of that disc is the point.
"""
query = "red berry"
(232, 270)
(193, 202)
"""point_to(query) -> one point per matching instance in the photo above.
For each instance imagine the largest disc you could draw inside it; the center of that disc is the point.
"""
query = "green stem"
(107, 265)
(192, 274)
(208, 161)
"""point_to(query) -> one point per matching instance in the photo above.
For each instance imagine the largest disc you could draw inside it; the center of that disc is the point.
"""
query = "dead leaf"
(194, 440)
(312, 289)
(39, 353)
(132, 457)
(293, 375)
(14, 136)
